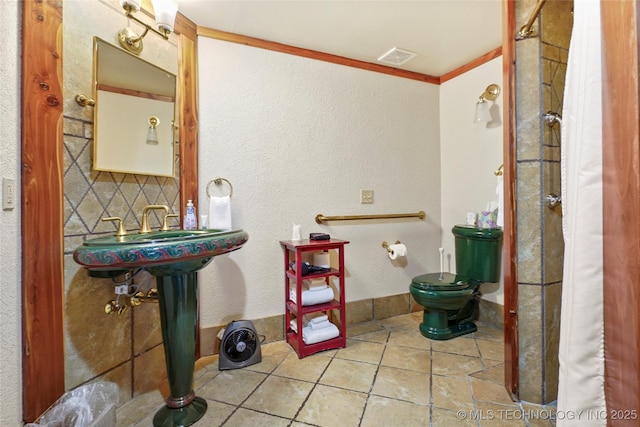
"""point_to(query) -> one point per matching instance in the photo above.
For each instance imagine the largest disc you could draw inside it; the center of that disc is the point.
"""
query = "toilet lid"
(440, 282)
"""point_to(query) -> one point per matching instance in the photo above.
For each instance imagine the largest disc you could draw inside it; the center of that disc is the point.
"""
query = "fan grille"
(240, 345)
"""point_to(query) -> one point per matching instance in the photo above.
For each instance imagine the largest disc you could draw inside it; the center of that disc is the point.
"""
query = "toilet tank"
(478, 252)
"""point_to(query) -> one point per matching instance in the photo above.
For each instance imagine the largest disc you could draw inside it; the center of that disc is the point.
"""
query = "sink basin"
(160, 252)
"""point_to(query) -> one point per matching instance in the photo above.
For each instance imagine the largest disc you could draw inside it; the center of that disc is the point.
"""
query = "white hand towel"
(310, 336)
(313, 297)
(220, 213)
(314, 318)
(319, 325)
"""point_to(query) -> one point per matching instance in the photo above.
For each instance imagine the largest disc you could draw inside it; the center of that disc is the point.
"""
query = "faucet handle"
(121, 231)
(165, 224)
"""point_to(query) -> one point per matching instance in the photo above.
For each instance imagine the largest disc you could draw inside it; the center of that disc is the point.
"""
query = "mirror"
(134, 113)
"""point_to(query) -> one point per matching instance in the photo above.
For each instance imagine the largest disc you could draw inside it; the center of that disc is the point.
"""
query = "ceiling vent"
(396, 56)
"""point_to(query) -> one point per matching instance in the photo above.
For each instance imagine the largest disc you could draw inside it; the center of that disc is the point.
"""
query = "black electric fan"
(240, 346)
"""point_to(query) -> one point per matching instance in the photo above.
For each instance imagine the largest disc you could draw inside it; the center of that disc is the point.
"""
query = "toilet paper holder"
(386, 245)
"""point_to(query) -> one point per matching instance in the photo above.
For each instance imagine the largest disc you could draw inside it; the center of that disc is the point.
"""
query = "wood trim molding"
(621, 207)
(509, 242)
(313, 54)
(42, 208)
(495, 53)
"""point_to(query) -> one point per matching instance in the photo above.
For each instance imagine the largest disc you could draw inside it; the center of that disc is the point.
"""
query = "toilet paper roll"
(397, 250)
(322, 259)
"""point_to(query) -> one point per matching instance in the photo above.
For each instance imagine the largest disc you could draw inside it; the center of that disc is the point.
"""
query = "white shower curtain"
(581, 379)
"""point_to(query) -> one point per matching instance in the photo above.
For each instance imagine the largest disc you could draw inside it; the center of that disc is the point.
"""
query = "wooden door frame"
(509, 242)
(621, 208)
(42, 191)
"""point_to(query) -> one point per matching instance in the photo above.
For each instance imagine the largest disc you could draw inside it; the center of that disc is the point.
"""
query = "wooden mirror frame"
(42, 207)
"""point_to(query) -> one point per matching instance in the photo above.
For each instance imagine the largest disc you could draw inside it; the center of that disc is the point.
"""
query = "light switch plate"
(366, 196)
(8, 193)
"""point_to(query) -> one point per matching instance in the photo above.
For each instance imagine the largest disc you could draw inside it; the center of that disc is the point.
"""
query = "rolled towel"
(311, 336)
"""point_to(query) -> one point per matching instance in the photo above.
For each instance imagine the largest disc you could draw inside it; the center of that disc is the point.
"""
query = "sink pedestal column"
(179, 320)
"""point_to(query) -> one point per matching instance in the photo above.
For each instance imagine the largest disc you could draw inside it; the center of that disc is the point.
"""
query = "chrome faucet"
(144, 228)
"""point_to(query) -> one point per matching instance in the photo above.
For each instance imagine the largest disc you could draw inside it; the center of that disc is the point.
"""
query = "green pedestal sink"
(173, 257)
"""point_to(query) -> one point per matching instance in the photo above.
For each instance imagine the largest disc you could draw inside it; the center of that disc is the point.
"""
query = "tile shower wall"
(124, 348)
(540, 71)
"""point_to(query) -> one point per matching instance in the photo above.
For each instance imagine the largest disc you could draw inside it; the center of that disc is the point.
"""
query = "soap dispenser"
(190, 221)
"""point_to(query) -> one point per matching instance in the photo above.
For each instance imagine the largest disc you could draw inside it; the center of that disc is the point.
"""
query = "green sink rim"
(157, 248)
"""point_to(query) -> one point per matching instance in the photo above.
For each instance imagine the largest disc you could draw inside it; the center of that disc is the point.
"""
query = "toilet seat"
(441, 282)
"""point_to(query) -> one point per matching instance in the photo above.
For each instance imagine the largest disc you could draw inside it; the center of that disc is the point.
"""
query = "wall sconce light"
(152, 133)
(482, 106)
(165, 12)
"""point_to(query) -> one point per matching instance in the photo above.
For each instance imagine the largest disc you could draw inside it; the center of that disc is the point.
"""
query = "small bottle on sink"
(190, 219)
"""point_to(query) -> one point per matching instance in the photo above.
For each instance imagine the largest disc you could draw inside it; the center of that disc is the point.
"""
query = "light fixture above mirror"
(165, 15)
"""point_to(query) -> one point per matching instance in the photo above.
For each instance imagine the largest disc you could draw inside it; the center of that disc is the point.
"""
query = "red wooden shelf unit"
(294, 310)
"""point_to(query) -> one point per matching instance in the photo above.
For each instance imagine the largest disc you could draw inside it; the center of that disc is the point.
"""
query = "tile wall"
(125, 348)
(541, 63)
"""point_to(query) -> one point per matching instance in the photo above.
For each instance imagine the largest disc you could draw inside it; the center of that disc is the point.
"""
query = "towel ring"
(218, 181)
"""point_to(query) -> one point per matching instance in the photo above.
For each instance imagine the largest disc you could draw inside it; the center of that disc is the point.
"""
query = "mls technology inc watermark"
(545, 414)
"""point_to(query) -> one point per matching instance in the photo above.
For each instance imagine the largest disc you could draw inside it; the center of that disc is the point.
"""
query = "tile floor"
(388, 375)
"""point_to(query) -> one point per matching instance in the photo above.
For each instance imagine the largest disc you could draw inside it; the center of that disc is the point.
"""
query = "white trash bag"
(90, 405)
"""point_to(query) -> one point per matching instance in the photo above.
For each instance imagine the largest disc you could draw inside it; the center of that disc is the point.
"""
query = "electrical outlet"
(8, 193)
(366, 196)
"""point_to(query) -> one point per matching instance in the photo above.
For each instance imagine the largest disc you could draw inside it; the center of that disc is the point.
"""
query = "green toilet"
(450, 301)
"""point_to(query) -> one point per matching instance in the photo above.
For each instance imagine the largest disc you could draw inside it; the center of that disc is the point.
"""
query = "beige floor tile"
(268, 363)
(409, 338)
(451, 393)
(135, 410)
(350, 375)
(361, 351)
(216, 414)
(488, 391)
(406, 321)
(446, 418)
(488, 332)
(363, 328)
(539, 415)
(465, 345)
(279, 396)
(276, 347)
(454, 365)
(377, 336)
(414, 359)
(492, 350)
(309, 368)
(493, 415)
(232, 386)
(246, 417)
(330, 406)
(401, 384)
(382, 411)
(494, 374)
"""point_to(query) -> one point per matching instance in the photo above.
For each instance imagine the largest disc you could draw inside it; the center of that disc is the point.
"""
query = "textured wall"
(471, 152)
(298, 137)
(10, 312)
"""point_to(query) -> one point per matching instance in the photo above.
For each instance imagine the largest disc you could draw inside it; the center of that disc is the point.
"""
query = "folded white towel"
(312, 336)
(314, 284)
(313, 297)
(319, 325)
(316, 317)
(294, 325)
(220, 213)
